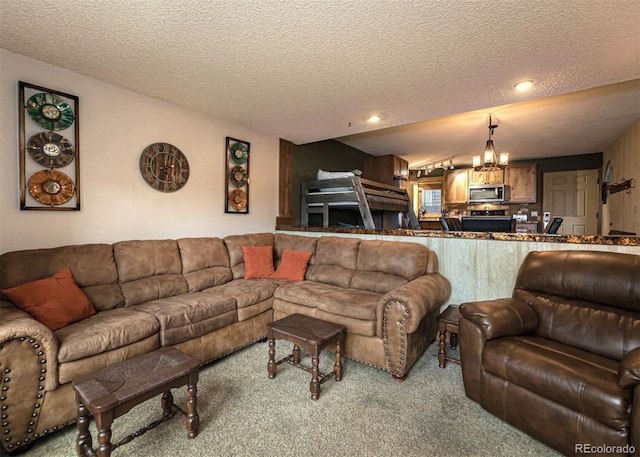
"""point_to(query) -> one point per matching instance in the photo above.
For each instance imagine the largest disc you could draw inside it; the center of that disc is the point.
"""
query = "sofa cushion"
(55, 302)
(247, 292)
(234, 245)
(258, 261)
(607, 278)
(93, 267)
(149, 269)
(189, 316)
(385, 265)
(335, 260)
(105, 331)
(580, 380)
(205, 262)
(604, 330)
(358, 304)
(284, 241)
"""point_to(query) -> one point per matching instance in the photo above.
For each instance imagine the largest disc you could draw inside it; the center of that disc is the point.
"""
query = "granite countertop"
(538, 237)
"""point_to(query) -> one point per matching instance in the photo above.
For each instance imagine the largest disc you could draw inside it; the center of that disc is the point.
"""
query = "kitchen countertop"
(538, 237)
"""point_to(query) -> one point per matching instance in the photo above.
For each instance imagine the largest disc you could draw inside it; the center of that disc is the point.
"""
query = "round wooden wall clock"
(164, 167)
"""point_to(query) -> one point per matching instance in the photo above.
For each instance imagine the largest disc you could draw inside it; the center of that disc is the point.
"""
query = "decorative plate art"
(50, 149)
(51, 187)
(49, 178)
(50, 111)
(237, 176)
(239, 153)
(238, 199)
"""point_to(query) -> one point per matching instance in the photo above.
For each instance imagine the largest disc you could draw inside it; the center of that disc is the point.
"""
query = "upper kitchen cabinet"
(486, 177)
(386, 169)
(456, 186)
(523, 180)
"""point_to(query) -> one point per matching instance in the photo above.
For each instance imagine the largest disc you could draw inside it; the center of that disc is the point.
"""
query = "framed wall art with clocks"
(237, 176)
(49, 141)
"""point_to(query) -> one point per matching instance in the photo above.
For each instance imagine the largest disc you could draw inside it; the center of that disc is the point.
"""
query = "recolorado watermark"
(587, 448)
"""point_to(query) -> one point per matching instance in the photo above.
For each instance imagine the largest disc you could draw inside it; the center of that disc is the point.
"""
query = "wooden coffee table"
(113, 391)
(448, 321)
(312, 335)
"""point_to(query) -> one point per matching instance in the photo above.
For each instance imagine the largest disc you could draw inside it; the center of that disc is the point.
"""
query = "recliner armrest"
(501, 317)
(629, 371)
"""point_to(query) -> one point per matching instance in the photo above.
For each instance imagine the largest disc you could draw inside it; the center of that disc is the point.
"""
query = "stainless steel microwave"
(488, 193)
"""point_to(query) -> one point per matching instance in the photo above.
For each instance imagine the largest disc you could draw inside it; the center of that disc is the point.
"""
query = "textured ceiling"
(313, 70)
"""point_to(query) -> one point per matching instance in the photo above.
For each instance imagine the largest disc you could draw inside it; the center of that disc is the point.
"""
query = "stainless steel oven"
(488, 193)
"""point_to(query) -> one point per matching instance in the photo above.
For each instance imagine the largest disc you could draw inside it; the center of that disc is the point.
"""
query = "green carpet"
(243, 413)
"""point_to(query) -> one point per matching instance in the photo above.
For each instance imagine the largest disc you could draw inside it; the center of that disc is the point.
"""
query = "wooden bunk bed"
(354, 193)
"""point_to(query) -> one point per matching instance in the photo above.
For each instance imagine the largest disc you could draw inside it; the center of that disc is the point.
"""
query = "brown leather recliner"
(560, 360)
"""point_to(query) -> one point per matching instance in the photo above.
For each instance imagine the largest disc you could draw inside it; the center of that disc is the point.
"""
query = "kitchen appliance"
(488, 212)
(488, 220)
(488, 193)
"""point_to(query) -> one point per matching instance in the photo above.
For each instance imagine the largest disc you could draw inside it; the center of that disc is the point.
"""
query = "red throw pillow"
(258, 261)
(293, 265)
(55, 302)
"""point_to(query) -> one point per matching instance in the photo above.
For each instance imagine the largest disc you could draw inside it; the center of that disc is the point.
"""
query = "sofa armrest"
(629, 371)
(501, 317)
(400, 314)
(417, 298)
(28, 348)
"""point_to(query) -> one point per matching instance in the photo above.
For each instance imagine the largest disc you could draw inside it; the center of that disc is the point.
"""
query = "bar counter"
(480, 265)
(537, 237)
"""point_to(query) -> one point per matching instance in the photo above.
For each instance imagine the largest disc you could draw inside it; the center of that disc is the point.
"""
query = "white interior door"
(573, 196)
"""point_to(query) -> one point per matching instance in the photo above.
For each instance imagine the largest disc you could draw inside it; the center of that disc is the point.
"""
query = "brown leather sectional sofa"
(560, 359)
(191, 293)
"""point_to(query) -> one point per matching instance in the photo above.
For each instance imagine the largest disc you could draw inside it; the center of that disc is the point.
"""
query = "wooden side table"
(113, 391)
(448, 321)
(313, 335)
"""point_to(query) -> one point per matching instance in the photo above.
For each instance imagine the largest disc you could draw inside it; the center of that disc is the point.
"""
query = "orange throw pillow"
(293, 265)
(258, 261)
(55, 302)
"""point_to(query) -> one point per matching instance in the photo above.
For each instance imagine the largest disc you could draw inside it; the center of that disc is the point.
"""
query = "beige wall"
(115, 126)
(621, 210)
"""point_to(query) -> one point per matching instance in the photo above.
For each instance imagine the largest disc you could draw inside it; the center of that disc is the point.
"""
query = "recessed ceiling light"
(373, 118)
(524, 86)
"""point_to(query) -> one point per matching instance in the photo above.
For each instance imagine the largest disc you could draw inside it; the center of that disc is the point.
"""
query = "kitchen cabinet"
(486, 176)
(386, 169)
(456, 186)
(522, 180)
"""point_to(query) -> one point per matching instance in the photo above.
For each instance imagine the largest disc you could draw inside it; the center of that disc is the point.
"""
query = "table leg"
(103, 424)
(193, 420)
(84, 437)
(337, 368)
(296, 353)
(453, 339)
(314, 386)
(167, 403)
(271, 365)
(441, 349)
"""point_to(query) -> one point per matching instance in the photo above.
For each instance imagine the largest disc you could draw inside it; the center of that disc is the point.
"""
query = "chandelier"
(489, 160)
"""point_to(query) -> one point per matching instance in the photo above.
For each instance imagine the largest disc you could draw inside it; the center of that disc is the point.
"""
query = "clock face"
(50, 149)
(164, 167)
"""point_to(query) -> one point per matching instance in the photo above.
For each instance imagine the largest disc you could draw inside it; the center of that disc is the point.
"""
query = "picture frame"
(237, 158)
(49, 142)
